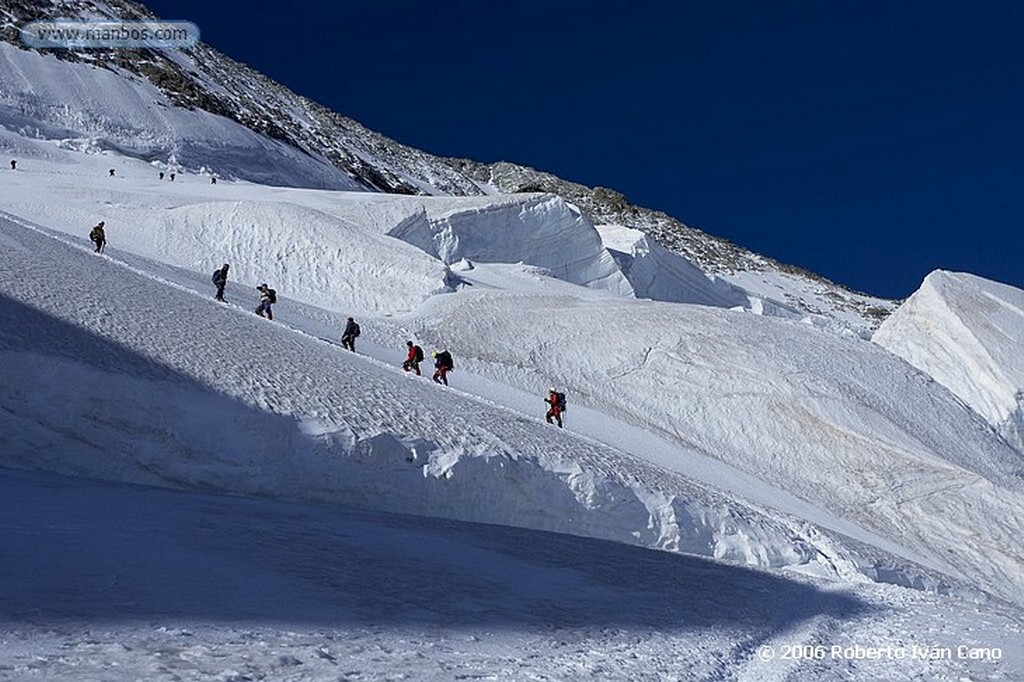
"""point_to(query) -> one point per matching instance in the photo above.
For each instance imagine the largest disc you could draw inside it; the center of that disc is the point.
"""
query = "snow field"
(120, 582)
(730, 440)
(718, 385)
(172, 389)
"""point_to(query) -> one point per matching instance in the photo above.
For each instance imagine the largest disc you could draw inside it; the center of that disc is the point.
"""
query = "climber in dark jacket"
(348, 337)
(220, 280)
(442, 365)
(98, 237)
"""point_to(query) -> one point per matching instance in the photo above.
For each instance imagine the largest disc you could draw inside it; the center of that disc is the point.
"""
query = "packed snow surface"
(805, 488)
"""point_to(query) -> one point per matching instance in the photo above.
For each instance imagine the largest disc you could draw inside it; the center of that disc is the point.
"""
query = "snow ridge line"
(75, 244)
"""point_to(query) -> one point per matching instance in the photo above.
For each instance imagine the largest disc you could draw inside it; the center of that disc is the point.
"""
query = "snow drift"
(540, 230)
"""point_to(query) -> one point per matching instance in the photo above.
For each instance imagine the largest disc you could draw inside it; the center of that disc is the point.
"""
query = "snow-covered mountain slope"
(172, 389)
(732, 425)
(737, 439)
(198, 111)
(92, 107)
(838, 423)
(805, 488)
(190, 109)
(966, 332)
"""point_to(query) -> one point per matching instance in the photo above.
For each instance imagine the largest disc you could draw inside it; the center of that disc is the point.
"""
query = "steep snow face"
(837, 422)
(543, 231)
(704, 430)
(966, 332)
(658, 274)
(175, 389)
(97, 109)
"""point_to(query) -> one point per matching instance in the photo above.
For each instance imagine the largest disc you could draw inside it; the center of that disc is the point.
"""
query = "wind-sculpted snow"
(538, 230)
(337, 250)
(173, 389)
(966, 333)
(96, 109)
(840, 423)
(306, 254)
(660, 275)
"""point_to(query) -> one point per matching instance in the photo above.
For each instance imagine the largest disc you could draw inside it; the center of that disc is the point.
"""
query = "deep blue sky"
(868, 141)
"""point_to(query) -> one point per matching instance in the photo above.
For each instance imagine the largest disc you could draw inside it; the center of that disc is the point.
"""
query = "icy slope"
(751, 410)
(966, 332)
(839, 423)
(41, 96)
(171, 388)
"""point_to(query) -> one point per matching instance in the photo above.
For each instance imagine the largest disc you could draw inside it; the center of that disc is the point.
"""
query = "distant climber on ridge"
(98, 237)
(556, 406)
(268, 297)
(14, 164)
(220, 280)
(413, 359)
(348, 337)
(442, 365)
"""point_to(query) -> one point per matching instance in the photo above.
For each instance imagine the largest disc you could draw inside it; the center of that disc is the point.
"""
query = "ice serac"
(104, 110)
(966, 333)
(541, 230)
(656, 273)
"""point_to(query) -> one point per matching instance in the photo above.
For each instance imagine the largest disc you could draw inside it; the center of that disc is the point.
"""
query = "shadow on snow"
(88, 551)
